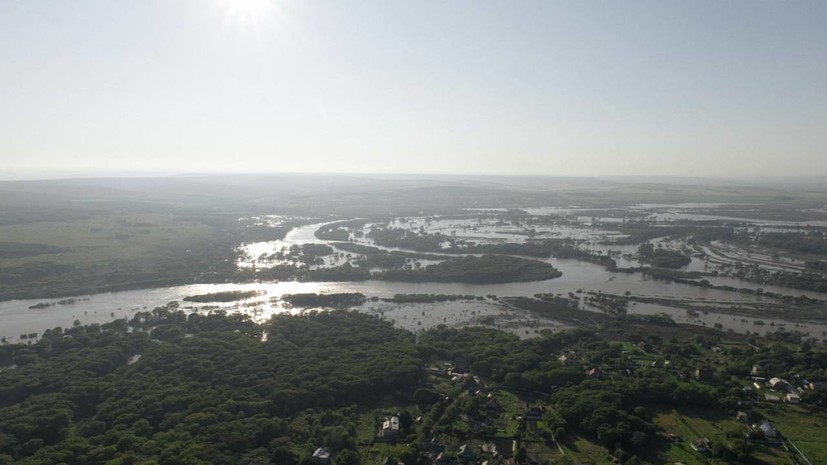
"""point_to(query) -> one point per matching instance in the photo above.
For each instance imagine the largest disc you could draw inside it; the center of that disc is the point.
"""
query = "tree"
(347, 457)
(521, 455)
(405, 421)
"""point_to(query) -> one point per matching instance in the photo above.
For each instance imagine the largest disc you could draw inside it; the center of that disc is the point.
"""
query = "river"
(16, 318)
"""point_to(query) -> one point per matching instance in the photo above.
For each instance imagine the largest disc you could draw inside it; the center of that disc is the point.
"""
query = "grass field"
(691, 423)
(806, 429)
(102, 239)
(585, 451)
(108, 252)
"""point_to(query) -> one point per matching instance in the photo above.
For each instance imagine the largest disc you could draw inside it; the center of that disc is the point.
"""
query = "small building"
(390, 427)
(768, 429)
(742, 416)
(489, 448)
(700, 444)
(672, 437)
(819, 386)
(793, 398)
(533, 413)
(459, 367)
(777, 383)
(321, 456)
(772, 398)
(466, 454)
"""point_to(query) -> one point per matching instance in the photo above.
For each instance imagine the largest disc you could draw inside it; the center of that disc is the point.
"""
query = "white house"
(390, 427)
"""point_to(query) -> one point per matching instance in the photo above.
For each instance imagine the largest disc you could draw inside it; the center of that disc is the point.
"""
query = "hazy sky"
(484, 87)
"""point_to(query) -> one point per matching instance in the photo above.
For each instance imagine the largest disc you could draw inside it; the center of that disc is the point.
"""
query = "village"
(465, 420)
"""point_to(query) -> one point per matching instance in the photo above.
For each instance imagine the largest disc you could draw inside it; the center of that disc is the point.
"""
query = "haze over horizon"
(638, 88)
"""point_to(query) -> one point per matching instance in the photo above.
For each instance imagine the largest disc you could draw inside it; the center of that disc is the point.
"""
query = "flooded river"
(16, 318)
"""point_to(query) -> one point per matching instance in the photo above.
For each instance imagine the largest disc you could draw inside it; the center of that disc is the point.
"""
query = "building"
(820, 386)
(533, 413)
(390, 427)
(489, 448)
(321, 456)
(594, 373)
(778, 383)
(701, 444)
(768, 430)
(793, 398)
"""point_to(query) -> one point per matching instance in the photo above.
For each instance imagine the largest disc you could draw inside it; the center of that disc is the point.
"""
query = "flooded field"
(615, 233)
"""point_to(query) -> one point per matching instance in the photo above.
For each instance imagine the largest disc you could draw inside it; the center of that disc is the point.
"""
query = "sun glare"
(247, 13)
(249, 8)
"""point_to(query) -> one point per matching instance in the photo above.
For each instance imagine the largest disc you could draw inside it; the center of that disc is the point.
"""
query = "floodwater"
(16, 318)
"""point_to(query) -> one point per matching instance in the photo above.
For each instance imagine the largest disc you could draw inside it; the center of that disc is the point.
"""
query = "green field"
(804, 428)
(104, 238)
(718, 428)
(109, 252)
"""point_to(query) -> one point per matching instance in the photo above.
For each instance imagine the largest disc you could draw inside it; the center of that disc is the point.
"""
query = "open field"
(109, 252)
(691, 423)
(102, 239)
(804, 427)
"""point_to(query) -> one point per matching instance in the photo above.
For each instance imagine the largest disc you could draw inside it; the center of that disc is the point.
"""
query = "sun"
(248, 8)
(247, 13)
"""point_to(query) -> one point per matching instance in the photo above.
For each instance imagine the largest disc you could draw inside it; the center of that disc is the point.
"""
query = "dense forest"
(204, 389)
(167, 387)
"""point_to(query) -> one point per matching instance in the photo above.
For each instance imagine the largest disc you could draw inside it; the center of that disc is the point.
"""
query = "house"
(459, 366)
(489, 448)
(533, 413)
(672, 437)
(466, 454)
(390, 427)
(742, 416)
(793, 398)
(768, 429)
(594, 373)
(772, 398)
(321, 455)
(493, 405)
(820, 386)
(700, 444)
(568, 358)
(777, 383)
(756, 370)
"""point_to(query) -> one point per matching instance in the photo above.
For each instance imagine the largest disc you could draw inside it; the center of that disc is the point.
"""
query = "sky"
(564, 88)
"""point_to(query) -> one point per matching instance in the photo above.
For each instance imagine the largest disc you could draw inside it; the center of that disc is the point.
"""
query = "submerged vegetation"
(312, 300)
(226, 296)
(477, 270)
